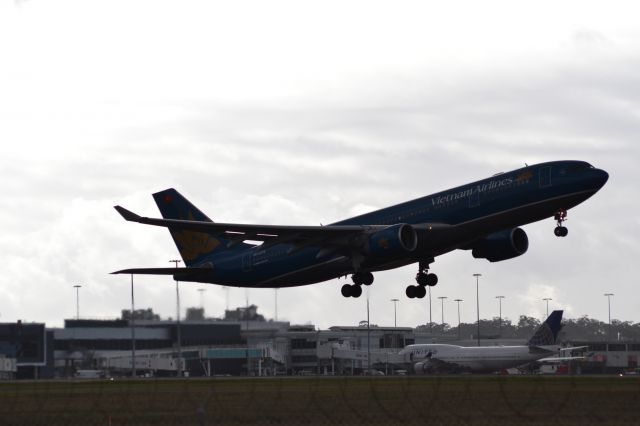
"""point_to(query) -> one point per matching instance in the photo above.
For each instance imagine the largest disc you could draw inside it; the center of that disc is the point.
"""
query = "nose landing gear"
(560, 217)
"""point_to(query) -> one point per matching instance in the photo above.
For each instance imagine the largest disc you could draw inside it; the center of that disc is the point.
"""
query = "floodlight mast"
(478, 303)
(442, 310)
(500, 315)
(395, 302)
(546, 299)
(77, 287)
(608, 295)
(458, 300)
(179, 371)
(133, 334)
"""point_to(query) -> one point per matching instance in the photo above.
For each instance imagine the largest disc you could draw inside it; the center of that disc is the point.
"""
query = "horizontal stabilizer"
(127, 215)
(162, 271)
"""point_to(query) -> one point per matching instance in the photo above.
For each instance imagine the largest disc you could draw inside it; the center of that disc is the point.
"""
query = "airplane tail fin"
(547, 333)
(194, 247)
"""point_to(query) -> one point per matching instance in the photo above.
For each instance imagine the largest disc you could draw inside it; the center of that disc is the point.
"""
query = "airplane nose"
(601, 177)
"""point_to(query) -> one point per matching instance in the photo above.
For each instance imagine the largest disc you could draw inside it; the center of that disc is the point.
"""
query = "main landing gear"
(560, 216)
(424, 279)
(355, 289)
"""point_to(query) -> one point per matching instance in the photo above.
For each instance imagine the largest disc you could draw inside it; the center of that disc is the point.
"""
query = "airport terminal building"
(243, 343)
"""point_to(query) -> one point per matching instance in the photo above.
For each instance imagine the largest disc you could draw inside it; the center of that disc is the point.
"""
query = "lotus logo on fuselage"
(524, 176)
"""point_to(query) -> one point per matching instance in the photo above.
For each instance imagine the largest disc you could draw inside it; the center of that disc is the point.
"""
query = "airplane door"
(545, 177)
(247, 262)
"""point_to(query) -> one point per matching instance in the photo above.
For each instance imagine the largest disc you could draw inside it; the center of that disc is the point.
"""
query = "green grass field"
(461, 400)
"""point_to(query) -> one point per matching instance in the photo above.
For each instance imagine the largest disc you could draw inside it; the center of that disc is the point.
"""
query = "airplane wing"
(332, 234)
(573, 348)
(163, 271)
(558, 359)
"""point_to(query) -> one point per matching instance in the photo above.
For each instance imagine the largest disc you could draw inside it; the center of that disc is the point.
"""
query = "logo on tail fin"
(547, 333)
(192, 244)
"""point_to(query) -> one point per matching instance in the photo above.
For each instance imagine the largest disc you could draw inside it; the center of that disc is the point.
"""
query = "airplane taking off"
(427, 358)
(482, 216)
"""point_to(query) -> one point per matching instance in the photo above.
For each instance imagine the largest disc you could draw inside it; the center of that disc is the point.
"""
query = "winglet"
(127, 215)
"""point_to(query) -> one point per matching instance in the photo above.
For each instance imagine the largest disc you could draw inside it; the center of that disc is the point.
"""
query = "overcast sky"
(290, 112)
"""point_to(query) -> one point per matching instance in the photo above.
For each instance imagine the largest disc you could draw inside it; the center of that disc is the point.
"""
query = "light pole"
(546, 299)
(246, 317)
(133, 334)
(275, 290)
(77, 287)
(609, 304)
(500, 314)
(458, 300)
(368, 338)
(430, 322)
(201, 291)
(176, 261)
(442, 310)
(226, 290)
(395, 303)
(478, 303)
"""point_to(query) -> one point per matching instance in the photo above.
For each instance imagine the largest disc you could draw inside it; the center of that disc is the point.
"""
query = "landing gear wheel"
(432, 279)
(560, 217)
(367, 278)
(420, 292)
(411, 291)
(362, 278)
(355, 290)
(346, 290)
(424, 279)
(561, 231)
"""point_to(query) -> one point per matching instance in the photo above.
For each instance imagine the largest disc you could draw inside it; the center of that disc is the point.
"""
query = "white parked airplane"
(426, 358)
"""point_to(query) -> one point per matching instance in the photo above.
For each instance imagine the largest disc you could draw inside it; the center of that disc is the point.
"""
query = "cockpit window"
(578, 167)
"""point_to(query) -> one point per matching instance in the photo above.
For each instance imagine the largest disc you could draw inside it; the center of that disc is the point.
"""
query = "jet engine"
(392, 241)
(502, 245)
(423, 367)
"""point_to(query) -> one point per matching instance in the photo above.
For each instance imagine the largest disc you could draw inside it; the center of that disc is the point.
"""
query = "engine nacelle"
(392, 241)
(424, 367)
(502, 245)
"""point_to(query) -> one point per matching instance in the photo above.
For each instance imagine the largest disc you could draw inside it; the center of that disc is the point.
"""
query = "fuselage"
(475, 359)
(476, 209)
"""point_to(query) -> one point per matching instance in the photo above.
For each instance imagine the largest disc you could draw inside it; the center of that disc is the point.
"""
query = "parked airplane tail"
(194, 247)
(547, 333)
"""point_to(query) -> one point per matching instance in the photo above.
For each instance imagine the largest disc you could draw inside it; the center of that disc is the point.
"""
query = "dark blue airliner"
(482, 216)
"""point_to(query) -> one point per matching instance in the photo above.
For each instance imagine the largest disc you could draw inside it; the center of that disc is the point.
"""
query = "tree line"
(578, 329)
